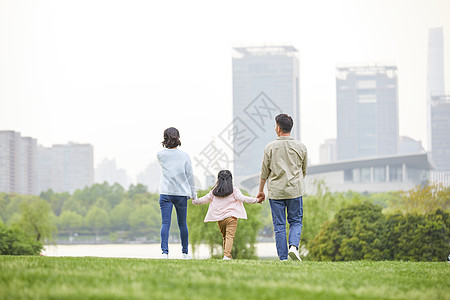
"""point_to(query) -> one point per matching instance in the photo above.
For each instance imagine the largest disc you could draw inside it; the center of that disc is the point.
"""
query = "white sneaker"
(186, 256)
(226, 258)
(165, 256)
(293, 253)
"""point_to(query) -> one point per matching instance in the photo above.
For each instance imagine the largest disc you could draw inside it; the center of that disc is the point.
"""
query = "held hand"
(261, 197)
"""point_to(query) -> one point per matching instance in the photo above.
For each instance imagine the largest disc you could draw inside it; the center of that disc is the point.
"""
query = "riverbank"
(153, 250)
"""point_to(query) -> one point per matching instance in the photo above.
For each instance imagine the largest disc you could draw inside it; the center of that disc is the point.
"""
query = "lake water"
(263, 250)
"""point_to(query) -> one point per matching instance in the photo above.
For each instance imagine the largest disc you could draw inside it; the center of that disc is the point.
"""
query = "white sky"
(117, 73)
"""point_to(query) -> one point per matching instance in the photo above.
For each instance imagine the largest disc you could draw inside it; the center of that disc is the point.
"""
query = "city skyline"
(124, 74)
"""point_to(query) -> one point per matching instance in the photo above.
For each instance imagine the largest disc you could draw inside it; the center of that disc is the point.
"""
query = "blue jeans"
(165, 203)
(294, 216)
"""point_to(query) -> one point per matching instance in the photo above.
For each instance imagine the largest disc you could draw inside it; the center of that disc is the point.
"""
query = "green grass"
(117, 278)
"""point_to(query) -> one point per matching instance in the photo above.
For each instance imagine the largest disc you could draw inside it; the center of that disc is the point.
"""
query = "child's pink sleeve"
(205, 199)
(240, 197)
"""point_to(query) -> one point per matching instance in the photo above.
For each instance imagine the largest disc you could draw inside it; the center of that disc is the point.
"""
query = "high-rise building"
(328, 151)
(151, 177)
(435, 75)
(265, 84)
(107, 171)
(66, 168)
(44, 168)
(18, 163)
(438, 104)
(367, 111)
(440, 132)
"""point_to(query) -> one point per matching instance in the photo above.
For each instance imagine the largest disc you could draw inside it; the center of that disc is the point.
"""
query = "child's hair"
(224, 185)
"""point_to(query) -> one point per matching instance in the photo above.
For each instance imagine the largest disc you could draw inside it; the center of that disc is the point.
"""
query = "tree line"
(109, 213)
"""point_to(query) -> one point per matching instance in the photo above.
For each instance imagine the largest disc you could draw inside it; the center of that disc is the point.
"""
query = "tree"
(423, 199)
(120, 216)
(36, 220)
(14, 203)
(74, 205)
(97, 219)
(15, 242)
(3, 203)
(321, 207)
(70, 221)
(357, 232)
(145, 219)
(55, 200)
(136, 189)
(117, 193)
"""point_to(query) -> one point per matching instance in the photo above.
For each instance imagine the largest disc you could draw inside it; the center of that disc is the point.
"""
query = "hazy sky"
(117, 73)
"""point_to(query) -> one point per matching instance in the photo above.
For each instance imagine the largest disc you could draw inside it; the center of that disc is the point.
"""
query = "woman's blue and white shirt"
(177, 177)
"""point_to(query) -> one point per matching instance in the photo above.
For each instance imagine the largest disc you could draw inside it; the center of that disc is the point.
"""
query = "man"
(284, 168)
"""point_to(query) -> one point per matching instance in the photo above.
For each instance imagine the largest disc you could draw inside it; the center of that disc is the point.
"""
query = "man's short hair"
(285, 122)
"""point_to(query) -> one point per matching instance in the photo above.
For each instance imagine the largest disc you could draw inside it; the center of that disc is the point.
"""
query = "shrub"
(355, 233)
(418, 237)
(361, 231)
(14, 242)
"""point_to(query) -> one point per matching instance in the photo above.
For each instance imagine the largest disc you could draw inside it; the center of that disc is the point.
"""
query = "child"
(225, 207)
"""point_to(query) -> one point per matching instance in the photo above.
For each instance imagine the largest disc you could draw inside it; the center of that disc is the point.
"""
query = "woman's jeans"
(294, 209)
(165, 203)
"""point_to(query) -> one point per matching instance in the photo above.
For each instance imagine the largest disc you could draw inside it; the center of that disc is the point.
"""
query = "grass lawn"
(26, 277)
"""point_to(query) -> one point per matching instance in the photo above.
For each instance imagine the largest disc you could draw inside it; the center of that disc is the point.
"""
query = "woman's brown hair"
(171, 138)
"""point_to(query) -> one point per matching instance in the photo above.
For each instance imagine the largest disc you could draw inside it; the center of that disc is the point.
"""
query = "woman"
(177, 186)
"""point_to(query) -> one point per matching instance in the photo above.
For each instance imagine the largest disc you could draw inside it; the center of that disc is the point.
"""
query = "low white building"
(378, 174)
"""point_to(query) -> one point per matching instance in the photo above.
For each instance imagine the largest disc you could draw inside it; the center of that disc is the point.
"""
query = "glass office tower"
(367, 111)
(265, 84)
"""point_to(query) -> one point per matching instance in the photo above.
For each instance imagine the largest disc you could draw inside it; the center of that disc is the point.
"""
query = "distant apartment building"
(265, 84)
(440, 132)
(150, 177)
(107, 171)
(66, 168)
(367, 111)
(18, 163)
(328, 151)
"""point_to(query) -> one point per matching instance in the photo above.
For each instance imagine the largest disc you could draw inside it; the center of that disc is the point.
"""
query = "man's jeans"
(165, 203)
(294, 216)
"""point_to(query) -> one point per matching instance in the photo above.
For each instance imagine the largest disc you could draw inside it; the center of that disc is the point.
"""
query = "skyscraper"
(367, 111)
(440, 132)
(18, 163)
(438, 104)
(265, 84)
(435, 74)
